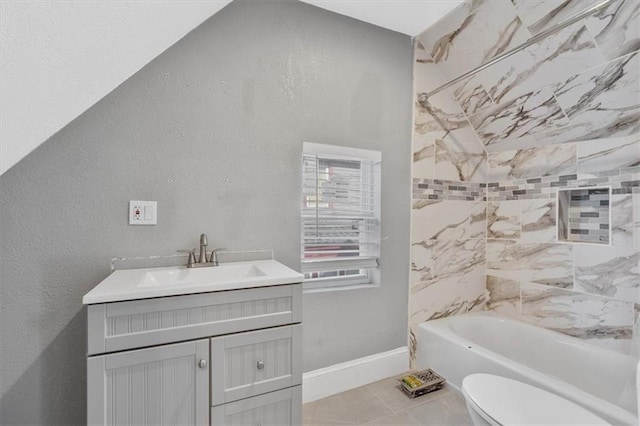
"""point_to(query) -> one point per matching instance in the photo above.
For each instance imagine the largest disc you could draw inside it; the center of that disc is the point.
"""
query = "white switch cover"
(143, 212)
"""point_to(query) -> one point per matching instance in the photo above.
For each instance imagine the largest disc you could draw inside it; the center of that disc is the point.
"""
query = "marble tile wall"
(584, 290)
(603, 321)
(491, 152)
(445, 144)
(448, 235)
(448, 241)
(578, 84)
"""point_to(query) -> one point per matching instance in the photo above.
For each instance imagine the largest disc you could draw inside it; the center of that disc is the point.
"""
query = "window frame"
(368, 266)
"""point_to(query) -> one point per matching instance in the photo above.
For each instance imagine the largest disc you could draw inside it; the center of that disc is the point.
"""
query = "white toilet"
(495, 400)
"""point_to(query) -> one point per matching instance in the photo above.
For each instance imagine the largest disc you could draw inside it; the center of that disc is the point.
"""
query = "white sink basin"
(131, 284)
(200, 276)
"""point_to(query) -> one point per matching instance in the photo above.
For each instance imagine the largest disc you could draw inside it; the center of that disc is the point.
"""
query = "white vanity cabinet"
(228, 357)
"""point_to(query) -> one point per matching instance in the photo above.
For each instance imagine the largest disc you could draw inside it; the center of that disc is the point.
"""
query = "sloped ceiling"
(58, 58)
(409, 17)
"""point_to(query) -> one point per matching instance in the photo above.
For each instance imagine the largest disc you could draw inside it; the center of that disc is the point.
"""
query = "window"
(340, 215)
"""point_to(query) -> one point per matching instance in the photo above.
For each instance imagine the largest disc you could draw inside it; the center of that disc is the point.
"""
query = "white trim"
(335, 282)
(332, 264)
(311, 289)
(348, 375)
(326, 230)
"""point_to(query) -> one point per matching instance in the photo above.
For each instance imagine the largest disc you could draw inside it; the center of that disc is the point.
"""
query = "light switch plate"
(143, 212)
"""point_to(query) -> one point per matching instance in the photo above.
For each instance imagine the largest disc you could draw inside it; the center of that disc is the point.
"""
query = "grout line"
(383, 403)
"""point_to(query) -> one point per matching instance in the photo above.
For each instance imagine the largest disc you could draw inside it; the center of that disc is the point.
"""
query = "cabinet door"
(279, 408)
(164, 385)
(248, 364)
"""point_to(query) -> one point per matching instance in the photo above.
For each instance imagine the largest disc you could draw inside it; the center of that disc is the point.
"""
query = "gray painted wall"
(212, 129)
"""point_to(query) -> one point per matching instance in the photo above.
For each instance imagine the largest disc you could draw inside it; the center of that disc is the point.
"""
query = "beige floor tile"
(383, 403)
(396, 419)
(354, 406)
(316, 422)
(393, 396)
(450, 409)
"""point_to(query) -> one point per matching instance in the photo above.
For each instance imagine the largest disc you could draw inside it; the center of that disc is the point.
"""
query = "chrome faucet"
(203, 249)
(214, 257)
(202, 256)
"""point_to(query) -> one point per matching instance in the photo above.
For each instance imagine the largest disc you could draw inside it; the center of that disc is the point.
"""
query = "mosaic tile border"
(547, 187)
(439, 189)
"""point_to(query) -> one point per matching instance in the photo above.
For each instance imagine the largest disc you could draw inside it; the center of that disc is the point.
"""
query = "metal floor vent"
(421, 382)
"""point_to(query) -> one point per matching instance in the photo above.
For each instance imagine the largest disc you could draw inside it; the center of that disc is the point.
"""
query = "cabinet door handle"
(260, 365)
(202, 363)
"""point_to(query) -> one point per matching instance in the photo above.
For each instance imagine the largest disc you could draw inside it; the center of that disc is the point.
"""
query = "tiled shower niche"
(584, 215)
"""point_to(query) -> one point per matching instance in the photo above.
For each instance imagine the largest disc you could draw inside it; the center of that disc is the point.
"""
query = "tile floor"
(384, 403)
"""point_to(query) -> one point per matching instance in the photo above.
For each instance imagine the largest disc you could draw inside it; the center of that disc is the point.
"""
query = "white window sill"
(339, 288)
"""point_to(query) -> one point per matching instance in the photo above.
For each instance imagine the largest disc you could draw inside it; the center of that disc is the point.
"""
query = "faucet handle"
(192, 256)
(214, 256)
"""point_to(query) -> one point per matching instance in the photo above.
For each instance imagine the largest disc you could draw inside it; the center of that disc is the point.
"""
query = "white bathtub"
(600, 380)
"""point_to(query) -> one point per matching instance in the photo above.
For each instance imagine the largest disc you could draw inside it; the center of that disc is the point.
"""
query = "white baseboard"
(348, 375)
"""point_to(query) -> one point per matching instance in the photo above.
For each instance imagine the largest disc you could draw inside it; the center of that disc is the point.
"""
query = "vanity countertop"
(145, 283)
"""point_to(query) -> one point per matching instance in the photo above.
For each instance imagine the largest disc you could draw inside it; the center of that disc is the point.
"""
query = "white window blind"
(340, 214)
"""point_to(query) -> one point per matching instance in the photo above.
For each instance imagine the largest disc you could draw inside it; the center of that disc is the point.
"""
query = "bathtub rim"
(439, 324)
(442, 328)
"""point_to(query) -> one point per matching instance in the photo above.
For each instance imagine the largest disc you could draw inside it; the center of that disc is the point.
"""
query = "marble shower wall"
(562, 113)
(448, 240)
(445, 145)
(448, 234)
(578, 84)
(589, 291)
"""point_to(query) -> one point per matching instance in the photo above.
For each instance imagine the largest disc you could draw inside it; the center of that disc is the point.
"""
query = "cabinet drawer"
(248, 364)
(147, 322)
(279, 408)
